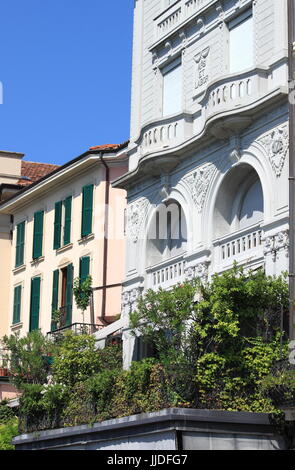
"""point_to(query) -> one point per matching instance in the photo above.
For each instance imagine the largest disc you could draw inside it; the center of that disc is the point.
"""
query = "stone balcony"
(166, 274)
(165, 133)
(240, 247)
(226, 107)
(177, 14)
(233, 95)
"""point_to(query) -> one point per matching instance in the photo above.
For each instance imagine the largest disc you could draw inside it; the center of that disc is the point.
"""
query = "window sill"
(86, 238)
(34, 262)
(16, 326)
(64, 248)
(19, 269)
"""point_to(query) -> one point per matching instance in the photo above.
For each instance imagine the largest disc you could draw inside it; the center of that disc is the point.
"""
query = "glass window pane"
(241, 46)
(172, 91)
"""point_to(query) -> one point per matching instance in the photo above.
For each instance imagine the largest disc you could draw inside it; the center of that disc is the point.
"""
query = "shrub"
(6, 413)
(7, 432)
(27, 358)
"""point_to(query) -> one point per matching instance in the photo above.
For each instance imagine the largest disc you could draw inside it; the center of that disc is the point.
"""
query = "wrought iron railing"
(76, 328)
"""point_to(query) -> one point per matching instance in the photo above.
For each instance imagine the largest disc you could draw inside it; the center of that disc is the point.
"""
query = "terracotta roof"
(33, 171)
(110, 146)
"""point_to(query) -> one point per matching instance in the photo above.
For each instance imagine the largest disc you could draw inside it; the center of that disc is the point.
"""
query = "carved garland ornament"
(199, 183)
(276, 144)
(276, 243)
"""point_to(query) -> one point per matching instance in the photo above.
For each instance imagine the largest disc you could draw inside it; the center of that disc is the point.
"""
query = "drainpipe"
(106, 242)
(291, 41)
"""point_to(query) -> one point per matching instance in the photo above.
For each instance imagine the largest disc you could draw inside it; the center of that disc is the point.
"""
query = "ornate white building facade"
(209, 137)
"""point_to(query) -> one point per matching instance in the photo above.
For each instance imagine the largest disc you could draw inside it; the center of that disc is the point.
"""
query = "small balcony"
(165, 133)
(76, 328)
(177, 14)
(238, 247)
(167, 274)
(59, 327)
(233, 94)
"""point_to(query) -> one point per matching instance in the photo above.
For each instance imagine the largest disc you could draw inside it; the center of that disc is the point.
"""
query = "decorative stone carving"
(276, 243)
(199, 183)
(136, 212)
(200, 271)
(276, 144)
(202, 76)
(201, 27)
(165, 187)
(130, 299)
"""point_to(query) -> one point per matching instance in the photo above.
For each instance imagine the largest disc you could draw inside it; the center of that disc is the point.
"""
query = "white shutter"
(241, 44)
(172, 89)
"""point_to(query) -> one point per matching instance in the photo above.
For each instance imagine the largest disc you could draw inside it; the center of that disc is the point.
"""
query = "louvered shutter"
(17, 304)
(84, 268)
(20, 244)
(69, 295)
(38, 234)
(68, 220)
(35, 303)
(57, 225)
(87, 207)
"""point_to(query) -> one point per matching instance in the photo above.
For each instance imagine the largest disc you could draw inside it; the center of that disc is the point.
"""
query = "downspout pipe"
(106, 241)
(291, 49)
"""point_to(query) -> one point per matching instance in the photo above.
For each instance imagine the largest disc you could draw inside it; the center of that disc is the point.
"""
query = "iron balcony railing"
(76, 328)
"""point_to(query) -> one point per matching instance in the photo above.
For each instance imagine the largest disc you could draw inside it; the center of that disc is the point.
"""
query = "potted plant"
(3, 369)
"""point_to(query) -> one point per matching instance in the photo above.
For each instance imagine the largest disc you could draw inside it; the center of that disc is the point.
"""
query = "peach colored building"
(66, 224)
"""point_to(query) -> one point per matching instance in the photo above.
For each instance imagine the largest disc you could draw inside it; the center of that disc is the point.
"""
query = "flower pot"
(3, 372)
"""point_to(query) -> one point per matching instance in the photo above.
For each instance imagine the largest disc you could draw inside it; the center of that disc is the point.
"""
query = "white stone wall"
(222, 142)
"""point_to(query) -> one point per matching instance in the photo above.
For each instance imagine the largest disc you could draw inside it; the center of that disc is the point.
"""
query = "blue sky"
(65, 66)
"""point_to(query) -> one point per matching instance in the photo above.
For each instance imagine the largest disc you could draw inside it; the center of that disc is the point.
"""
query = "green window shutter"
(20, 244)
(84, 268)
(38, 234)
(17, 304)
(69, 294)
(54, 305)
(35, 303)
(87, 207)
(57, 225)
(68, 220)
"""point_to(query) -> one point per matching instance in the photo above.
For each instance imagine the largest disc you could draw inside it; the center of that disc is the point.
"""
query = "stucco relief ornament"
(282, 241)
(125, 303)
(202, 76)
(134, 297)
(136, 214)
(199, 183)
(277, 146)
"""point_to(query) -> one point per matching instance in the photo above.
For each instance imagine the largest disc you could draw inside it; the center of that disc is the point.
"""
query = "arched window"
(251, 211)
(239, 203)
(167, 235)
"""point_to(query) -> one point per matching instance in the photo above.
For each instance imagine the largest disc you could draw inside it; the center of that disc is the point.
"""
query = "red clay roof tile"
(33, 171)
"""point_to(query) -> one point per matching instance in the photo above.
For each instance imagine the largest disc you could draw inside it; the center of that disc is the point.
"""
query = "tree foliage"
(225, 336)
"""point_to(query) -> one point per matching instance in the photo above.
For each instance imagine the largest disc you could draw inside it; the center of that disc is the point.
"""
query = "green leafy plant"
(7, 432)
(220, 339)
(82, 293)
(6, 413)
(27, 358)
